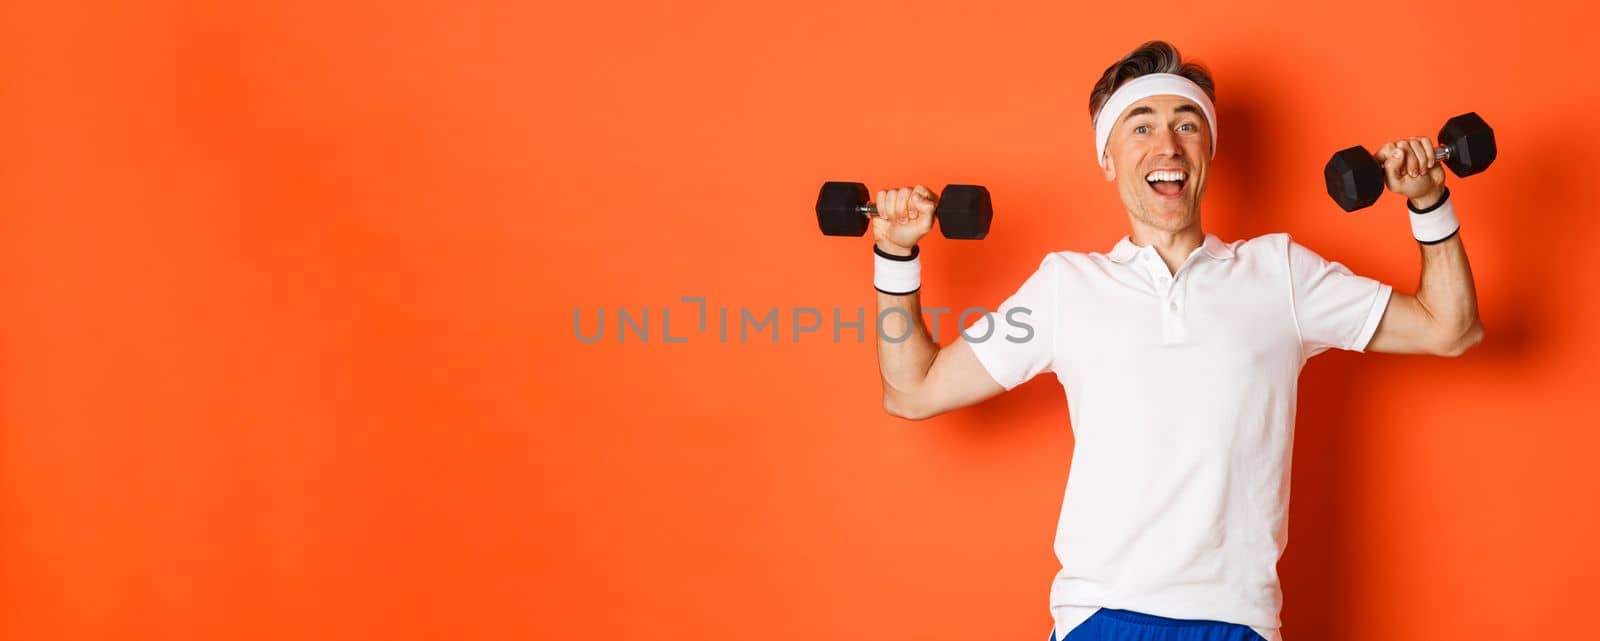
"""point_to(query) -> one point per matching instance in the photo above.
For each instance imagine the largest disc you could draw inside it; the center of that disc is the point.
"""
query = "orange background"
(288, 293)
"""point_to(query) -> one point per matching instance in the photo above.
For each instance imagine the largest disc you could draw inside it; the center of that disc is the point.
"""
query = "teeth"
(1165, 176)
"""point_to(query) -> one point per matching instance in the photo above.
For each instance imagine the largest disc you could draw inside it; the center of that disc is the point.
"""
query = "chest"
(1214, 321)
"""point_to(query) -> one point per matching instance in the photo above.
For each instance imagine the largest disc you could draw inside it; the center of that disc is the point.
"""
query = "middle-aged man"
(1180, 355)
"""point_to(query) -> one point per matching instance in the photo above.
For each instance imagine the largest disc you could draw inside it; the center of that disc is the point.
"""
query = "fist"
(904, 216)
(1410, 170)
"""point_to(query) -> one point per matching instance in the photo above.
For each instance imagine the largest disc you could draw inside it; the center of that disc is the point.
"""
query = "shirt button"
(1173, 306)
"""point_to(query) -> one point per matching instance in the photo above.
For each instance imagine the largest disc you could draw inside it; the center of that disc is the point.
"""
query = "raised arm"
(1442, 317)
(920, 380)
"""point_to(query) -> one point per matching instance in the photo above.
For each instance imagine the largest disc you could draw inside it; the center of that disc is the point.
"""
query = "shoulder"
(1281, 252)
(1057, 259)
(1077, 260)
(1056, 268)
(1051, 268)
(1275, 244)
(1279, 243)
(1276, 249)
(1066, 266)
(1055, 262)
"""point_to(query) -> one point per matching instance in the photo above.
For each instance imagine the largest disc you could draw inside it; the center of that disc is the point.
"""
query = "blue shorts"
(1107, 624)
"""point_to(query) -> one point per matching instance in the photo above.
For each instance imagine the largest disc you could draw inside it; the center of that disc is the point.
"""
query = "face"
(1159, 153)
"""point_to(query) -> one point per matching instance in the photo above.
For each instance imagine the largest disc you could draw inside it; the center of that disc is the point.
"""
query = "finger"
(908, 199)
(878, 199)
(1391, 158)
(1418, 154)
(1393, 163)
(1408, 168)
(924, 200)
(1427, 152)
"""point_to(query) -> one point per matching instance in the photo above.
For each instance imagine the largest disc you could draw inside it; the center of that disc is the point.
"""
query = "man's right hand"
(904, 216)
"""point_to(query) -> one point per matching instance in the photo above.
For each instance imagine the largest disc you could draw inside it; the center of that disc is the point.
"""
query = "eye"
(1186, 127)
(1141, 129)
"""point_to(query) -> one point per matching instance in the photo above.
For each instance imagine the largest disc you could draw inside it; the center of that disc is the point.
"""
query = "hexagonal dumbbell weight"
(1355, 178)
(964, 211)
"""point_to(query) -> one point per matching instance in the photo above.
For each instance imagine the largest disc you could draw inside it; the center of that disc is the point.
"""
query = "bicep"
(1404, 328)
(955, 380)
(1011, 346)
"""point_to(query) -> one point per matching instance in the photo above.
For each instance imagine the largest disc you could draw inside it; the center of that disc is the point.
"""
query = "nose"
(1166, 144)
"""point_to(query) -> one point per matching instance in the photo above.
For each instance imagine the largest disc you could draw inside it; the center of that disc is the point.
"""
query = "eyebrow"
(1146, 110)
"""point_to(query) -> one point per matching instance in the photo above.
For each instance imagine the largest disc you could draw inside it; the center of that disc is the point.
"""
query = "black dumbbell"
(964, 211)
(1355, 178)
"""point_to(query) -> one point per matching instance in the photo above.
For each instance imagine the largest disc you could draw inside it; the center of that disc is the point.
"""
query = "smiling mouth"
(1167, 183)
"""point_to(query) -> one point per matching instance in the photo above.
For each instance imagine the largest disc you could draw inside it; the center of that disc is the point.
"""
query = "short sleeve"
(1017, 341)
(1333, 308)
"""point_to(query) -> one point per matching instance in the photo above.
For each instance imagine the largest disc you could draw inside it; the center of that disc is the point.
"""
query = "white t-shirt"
(1181, 393)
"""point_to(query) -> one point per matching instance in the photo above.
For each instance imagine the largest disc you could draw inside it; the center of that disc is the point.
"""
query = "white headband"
(1155, 84)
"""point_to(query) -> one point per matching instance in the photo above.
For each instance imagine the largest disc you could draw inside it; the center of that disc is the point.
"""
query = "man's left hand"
(1410, 170)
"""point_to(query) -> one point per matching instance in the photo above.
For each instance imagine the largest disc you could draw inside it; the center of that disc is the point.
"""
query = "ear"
(1108, 168)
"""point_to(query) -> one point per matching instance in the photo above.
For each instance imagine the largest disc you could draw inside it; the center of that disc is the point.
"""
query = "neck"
(1173, 246)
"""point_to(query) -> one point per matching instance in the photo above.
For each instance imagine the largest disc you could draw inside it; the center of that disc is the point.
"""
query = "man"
(1179, 354)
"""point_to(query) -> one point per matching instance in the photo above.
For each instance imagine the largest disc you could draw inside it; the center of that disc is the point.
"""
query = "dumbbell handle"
(1443, 152)
(870, 210)
(1440, 152)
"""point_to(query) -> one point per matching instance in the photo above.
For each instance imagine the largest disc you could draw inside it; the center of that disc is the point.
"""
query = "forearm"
(1446, 291)
(905, 348)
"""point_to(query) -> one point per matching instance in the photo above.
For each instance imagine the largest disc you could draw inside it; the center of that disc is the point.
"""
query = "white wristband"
(1435, 223)
(896, 275)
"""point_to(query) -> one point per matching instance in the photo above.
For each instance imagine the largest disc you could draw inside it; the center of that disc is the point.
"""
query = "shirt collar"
(1125, 250)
